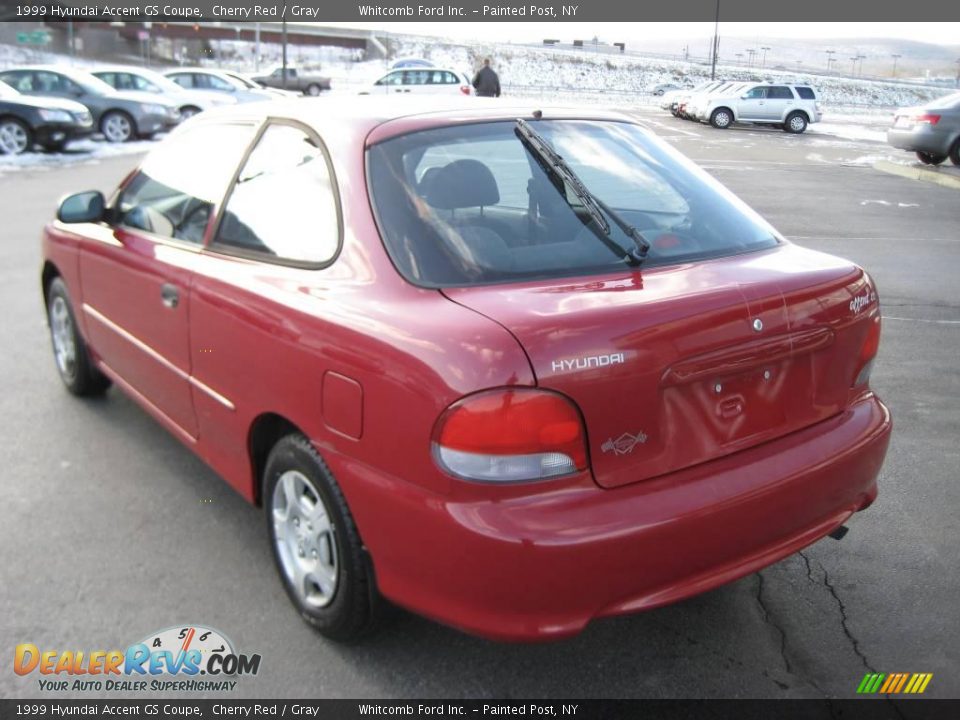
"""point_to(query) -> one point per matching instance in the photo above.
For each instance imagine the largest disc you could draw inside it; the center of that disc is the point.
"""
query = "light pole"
(750, 52)
(284, 70)
(763, 60)
(895, 58)
(830, 58)
(861, 59)
(716, 43)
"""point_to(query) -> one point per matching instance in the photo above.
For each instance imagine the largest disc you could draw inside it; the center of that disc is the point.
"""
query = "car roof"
(420, 69)
(402, 115)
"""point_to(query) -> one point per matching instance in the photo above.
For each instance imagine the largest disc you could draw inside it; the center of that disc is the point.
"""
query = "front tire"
(188, 111)
(74, 365)
(118, 127)
(15, 137)
(316, 546)
(796, 123)
(930, 158)
(721, 118)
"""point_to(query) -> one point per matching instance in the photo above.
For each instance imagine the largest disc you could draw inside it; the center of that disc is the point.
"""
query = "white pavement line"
(921, 320)
(751, 162)
(671, 127)
(843, 237)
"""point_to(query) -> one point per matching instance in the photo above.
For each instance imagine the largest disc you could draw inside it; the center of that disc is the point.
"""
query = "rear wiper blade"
(554, 163)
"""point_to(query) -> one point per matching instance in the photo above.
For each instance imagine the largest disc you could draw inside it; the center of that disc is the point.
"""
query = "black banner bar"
(473, 11)
(876, 708)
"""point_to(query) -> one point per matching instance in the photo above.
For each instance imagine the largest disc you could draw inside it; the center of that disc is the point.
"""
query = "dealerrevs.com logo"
(186, 658)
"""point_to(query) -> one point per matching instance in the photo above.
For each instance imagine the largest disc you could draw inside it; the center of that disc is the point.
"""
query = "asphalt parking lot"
(111, 529)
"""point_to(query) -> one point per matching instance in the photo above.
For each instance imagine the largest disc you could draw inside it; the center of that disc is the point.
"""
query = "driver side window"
(175, 191)
(757, 93)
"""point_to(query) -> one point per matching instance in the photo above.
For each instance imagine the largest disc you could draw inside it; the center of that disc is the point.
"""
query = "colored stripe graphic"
(893, 683)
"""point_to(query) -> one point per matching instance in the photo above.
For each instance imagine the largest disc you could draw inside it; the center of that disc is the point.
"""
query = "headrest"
(462, 184)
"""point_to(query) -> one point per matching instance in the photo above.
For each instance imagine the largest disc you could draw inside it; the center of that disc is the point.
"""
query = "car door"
(417, 82)
(752, 104)
(252, 320)
(391, 83)
(778, 103)
(137, 274)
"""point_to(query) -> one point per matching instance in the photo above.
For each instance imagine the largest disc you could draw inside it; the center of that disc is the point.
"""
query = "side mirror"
(83, 207)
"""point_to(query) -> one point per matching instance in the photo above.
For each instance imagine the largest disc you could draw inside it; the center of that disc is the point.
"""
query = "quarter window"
(284, 204)
(805, 93)
(174, 192)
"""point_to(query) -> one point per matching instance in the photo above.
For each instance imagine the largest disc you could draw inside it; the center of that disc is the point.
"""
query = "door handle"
(169, 295)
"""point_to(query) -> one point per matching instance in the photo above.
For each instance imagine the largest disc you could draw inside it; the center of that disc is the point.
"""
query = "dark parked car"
(512, 371)
(50, 122)
(307, 83)
(120, 116)
(932, 131)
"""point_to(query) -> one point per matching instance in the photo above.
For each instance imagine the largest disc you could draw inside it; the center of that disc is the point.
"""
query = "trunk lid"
(680, 365)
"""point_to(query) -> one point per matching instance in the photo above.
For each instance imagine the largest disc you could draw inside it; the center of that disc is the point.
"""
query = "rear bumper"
(539, 566)
(924, 138)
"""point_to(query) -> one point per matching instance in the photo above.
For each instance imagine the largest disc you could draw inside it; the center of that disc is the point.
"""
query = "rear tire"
(796, 123)
(721, 118)
(316, 547)
(955, 152)
(313, 90)
(74, 365)
(929, 158)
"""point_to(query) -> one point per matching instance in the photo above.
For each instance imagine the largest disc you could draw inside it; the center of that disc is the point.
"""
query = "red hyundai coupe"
(512, 368)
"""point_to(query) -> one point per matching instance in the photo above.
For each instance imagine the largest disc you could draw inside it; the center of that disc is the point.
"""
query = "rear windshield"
(470, 204)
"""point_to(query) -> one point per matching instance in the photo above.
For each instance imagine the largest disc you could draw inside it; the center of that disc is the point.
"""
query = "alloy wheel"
(305, 539)
(64, 342)
(117, 128)
(13, 138)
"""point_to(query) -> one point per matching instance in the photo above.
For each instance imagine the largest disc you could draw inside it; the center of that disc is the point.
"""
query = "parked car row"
(723, 103)
(52, 105)
(932, 131)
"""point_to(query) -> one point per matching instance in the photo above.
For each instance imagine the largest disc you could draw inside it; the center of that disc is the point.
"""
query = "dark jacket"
(486, 82)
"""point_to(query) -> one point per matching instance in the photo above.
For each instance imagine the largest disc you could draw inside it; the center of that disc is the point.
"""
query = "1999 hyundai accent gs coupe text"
(511, 369)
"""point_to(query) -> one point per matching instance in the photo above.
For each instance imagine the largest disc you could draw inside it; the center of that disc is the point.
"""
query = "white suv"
(791, 107)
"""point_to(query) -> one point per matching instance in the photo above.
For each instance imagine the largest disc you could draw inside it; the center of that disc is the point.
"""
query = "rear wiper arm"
(554, 163)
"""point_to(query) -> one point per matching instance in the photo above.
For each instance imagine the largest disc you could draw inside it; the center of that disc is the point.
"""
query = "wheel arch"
(47, 276)
(265, 430)
(729, 108)
(122, 111)
(797, 111)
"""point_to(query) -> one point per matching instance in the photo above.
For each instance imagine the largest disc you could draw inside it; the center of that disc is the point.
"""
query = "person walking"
(486, 82)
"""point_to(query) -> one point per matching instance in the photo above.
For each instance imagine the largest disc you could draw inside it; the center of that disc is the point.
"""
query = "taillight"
(511, 435)
(465, 89)
(868, 351)
(926, 118)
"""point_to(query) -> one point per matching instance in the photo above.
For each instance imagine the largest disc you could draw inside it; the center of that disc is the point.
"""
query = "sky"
(944, 33)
